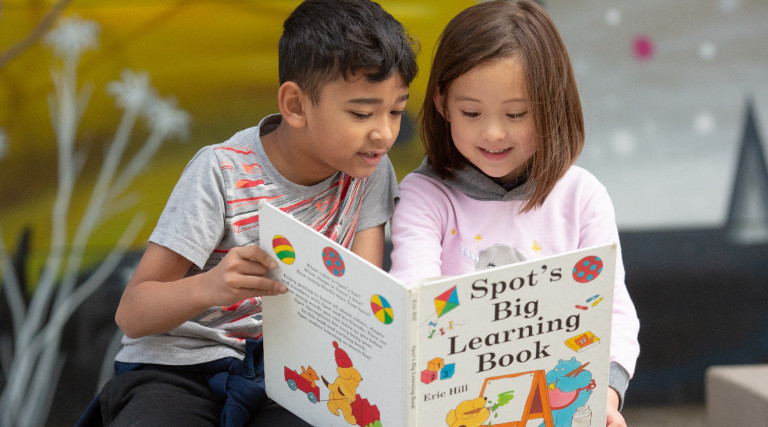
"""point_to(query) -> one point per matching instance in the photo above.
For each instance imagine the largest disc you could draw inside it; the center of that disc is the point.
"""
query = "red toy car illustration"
(304, 382)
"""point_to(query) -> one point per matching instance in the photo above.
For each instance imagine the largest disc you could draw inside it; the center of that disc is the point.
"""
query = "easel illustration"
(537, 400)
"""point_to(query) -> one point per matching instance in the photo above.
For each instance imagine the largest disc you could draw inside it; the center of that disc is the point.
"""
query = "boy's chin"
(362, 169)
(359, 172)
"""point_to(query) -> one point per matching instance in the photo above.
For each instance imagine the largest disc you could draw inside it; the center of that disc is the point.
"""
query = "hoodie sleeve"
(416, 229)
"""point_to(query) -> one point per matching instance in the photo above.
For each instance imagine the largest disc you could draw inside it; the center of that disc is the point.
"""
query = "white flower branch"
(37, 360)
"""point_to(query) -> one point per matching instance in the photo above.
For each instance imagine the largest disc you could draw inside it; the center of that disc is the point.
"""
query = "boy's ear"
(291, 101)
(439, 100)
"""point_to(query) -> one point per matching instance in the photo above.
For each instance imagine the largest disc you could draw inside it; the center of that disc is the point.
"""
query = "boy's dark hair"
(522, 30)
(325, 39)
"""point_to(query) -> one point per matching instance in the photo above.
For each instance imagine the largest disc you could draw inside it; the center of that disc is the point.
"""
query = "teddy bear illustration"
(494, 256)
(469, 413)
(310, 375)
(570, 386)
(343, 390)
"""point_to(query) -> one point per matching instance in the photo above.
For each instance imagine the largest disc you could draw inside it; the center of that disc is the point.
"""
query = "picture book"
(518, 345)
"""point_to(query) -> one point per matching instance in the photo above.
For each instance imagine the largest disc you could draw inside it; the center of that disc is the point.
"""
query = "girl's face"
(491, 119)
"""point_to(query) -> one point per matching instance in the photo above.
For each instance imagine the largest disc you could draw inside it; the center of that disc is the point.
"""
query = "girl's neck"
(508, 186)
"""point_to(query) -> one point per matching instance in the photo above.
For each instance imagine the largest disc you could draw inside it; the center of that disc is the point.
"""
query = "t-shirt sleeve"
(192, 223)
(378, 197)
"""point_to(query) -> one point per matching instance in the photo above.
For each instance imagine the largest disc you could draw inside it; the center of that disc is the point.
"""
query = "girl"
(502, 127)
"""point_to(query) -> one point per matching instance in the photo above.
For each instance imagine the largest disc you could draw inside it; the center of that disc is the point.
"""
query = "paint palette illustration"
(582, 341)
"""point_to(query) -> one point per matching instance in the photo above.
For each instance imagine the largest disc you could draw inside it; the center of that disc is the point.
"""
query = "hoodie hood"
(476, 184)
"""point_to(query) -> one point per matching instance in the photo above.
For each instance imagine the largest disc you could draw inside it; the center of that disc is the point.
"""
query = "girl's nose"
(494, 131)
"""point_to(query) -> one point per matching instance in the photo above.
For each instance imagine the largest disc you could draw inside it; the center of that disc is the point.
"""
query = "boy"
(191, 313)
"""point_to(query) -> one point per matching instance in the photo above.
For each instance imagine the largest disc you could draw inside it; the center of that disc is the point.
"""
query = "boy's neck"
(282, 148)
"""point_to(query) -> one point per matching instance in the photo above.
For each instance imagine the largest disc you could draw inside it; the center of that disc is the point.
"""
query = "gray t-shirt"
(214, 207)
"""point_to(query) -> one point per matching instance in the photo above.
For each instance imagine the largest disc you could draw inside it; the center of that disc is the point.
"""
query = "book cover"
(517, 345)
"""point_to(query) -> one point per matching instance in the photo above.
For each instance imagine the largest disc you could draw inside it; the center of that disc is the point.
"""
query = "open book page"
(336, 343)
(520, 345)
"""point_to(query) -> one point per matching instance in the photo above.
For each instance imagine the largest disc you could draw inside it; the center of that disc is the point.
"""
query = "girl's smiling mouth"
(494, 154)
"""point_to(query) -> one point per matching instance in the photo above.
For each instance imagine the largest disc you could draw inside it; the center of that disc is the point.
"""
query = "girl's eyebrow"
(466, 98)
(469, 98)
(370, 101)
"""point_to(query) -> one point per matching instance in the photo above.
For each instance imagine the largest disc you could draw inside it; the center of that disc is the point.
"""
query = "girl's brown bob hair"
(509, 29)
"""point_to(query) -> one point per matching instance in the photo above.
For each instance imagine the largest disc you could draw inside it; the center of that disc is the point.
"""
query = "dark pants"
(227, 392)
(175, 398)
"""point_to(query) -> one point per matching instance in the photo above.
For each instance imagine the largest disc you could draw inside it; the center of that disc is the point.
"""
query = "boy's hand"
(614, 419)
(240, 275)
(159, 297)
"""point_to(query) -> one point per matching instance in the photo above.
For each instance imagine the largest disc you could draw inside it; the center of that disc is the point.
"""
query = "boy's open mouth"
(371, 154)
(371, 158)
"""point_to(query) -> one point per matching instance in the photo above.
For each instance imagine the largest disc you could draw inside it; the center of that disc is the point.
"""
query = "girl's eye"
(470, 114)
(517, 115)
(396, 113)
(360, 116)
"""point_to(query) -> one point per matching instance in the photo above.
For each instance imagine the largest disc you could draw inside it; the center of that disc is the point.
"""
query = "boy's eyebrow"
(369, 101)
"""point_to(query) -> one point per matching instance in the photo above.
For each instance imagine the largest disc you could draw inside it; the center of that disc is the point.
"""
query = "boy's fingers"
(274, 287)
(254, 253)
(261, 286)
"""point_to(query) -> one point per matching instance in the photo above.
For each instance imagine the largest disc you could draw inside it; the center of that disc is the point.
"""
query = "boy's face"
(352, 125)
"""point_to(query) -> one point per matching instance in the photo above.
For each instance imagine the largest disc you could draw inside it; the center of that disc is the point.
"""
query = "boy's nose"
(385, 133)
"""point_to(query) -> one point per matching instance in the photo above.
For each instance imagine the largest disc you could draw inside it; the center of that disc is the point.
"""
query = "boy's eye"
(517, 115)
(470, 114)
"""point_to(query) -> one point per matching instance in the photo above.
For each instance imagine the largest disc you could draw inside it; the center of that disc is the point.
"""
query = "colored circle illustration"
(333, 262)
(283, 249)
(587, 269)
(381, 309)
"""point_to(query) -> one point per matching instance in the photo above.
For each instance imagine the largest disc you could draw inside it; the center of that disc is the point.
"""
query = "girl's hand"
(614, 418)
(240, 275)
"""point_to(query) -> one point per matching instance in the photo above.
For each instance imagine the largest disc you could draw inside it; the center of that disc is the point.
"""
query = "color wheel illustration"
(587, 269)
(446, 301)
(283, 249)
(381, 309)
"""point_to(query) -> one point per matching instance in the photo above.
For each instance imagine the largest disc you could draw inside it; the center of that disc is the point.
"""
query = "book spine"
(413, 365)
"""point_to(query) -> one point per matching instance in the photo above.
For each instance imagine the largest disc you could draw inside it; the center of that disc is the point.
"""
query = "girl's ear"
(439, 100)
(291, 102)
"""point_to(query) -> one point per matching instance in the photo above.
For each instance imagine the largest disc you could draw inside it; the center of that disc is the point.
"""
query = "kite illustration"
(446, 301)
